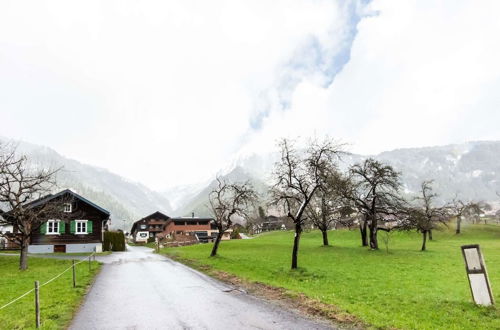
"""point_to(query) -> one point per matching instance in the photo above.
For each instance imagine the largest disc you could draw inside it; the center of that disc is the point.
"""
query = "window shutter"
(72, 227)
(90, 227)
(62, 227)
(43, 228)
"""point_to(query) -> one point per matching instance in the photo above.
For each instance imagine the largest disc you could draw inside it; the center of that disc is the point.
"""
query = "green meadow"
(58, 299)
(401, 288)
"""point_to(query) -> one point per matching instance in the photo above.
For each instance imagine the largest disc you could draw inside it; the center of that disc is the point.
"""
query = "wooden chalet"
(81, 230)
(148, 227)
(162, 226)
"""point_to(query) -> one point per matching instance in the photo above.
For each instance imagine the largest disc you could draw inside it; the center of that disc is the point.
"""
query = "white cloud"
(166, 92)
(158, 91)
(420, 73)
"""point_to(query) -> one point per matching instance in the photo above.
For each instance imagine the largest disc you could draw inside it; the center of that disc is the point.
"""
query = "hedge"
(114, 241)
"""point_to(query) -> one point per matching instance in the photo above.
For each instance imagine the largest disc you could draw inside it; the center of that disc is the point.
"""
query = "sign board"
(477, 275)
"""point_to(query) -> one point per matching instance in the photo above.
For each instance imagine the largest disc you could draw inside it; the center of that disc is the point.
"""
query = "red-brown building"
(162, 226)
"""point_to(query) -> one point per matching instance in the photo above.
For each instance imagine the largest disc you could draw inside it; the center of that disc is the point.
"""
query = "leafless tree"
(373, 189)
(327, 208)
(20, 185)
(474, 211)
(426, 216)
(229, 200)
(297, 178)
(459, 208)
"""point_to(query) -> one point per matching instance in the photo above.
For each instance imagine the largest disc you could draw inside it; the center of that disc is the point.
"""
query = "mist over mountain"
(470, 171)
(126, 200)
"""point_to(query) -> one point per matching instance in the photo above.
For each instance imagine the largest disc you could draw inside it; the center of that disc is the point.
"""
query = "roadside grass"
(83, 254)
(151, 245)
(405, 288)
(58, 299)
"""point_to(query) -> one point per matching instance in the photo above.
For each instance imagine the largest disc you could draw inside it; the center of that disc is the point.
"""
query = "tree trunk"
(430, 234)
(23, 258)
(325, 237)
(296, 241)
(373, 235)
(459, 222)
(363, 231)
(216, 243)
(424, 239)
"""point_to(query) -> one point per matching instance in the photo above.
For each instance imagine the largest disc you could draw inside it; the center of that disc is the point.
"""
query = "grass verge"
(58, 299)
(404, 288)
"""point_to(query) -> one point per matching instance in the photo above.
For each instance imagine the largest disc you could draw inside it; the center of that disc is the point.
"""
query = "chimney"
(192, 215)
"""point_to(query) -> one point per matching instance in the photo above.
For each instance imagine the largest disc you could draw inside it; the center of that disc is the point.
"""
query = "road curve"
(138, 289)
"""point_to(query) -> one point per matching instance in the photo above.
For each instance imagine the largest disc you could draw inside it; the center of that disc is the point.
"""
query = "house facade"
(159, 225)
(80, 228)
(148, 227)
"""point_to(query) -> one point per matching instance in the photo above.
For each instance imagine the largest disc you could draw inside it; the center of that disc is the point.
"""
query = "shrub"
(235, 234)
(114, 241)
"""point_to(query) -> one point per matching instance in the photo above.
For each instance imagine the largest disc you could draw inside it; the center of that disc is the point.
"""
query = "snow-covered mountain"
(469, 170)
(126, 200)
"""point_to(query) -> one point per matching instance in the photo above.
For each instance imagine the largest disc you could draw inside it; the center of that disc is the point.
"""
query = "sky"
(168, 92)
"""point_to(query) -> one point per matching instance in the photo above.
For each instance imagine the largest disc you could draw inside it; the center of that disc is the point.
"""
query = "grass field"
(58, 299)
(405, 288)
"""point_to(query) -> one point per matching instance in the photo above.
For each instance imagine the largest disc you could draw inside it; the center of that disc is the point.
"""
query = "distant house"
(272, 222)
(201, 227)
(80, 231)
(7, 238)
(162, 226)
(148, 227)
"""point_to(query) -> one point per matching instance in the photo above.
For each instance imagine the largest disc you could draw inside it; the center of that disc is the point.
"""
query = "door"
(60, 248)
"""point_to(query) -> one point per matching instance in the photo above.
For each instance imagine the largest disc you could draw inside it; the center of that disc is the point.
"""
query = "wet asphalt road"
(138, 289)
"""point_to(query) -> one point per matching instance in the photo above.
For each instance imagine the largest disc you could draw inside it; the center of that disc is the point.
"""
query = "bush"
(114, 241)
(235, 234)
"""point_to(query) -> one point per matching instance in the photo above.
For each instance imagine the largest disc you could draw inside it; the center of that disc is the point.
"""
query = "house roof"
(154, 215)
(47, 198)
(191, 219)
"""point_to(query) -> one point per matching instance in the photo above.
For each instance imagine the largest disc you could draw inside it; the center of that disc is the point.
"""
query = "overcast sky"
(167, 92)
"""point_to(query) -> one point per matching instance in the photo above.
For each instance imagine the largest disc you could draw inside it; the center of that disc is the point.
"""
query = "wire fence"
(72, 267)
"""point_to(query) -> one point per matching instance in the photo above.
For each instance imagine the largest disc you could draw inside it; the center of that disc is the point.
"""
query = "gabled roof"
(50, 197)
(157, 215)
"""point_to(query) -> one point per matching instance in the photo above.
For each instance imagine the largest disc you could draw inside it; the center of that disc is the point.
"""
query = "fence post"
(74, 274)
(90, 260)
(37, 303)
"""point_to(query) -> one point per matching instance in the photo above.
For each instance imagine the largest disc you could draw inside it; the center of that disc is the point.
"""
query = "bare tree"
(297, 178)
(373, 189)
(19, 187)
(474, 211)
(229, 200)
(326, 208)
(426, 216)
(459, 208)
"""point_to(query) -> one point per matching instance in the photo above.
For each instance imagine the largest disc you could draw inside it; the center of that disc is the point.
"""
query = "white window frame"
(68, 208)
(52, 232)
(86, 227)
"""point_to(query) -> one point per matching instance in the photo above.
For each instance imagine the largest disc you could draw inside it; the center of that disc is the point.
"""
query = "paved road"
(138, 289)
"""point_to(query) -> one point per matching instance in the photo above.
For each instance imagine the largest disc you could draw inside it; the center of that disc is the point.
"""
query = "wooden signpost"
(478, 276)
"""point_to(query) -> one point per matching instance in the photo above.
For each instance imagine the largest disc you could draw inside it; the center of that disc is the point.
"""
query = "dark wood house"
(148, 227)
(80, 230)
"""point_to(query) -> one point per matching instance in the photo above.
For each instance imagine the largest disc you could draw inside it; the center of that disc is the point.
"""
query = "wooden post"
(74, 274)
(90, 263)
(37, 303)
